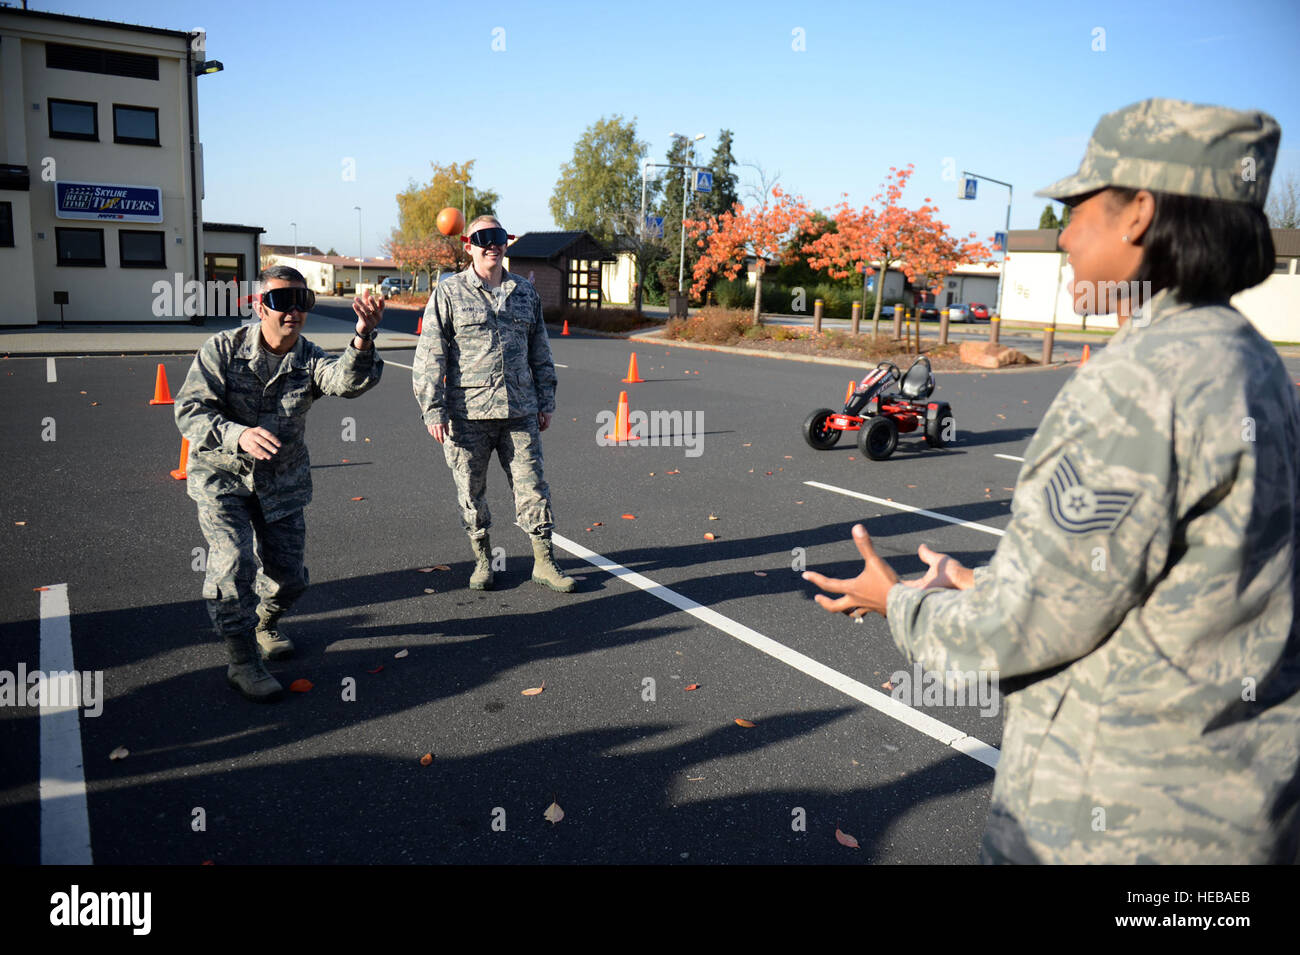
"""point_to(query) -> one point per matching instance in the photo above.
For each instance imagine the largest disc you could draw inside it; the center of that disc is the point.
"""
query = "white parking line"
(398, 364)
(558, 365)
(65, 825)
(50, 374)
(950, 736)
(1009, 457)
(907, 507)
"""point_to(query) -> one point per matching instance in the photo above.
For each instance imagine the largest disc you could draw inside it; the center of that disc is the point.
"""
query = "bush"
(733, 293)
(610, 318)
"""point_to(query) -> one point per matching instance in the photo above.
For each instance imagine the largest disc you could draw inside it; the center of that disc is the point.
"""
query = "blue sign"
(102, 201)
(969, 191)
(703, 181)
(999, 241)
(654, 226)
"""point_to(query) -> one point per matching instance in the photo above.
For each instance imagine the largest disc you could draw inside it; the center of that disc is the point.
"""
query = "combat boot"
(545, 570)
(246, 672)
(481, 578)
(272, 643)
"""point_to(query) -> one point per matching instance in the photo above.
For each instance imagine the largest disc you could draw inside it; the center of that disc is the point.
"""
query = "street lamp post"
(1002, 271)
(295, 239)
(462, 199)
(686, 181)
(360, 247)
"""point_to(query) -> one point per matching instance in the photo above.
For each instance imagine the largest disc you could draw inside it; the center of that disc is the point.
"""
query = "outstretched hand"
(868, 592)
(942, 571)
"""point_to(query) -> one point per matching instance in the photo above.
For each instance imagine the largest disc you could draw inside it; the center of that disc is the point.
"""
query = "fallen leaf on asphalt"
(798, 502)
(441, 567)
(20, 523)
(789, 457)
(553, 813)
(367, 440)
(1003, 417)
(40, 588)
(376, 669)
(301, 686)
(713, 517)
(426, 759)
(710, 537)
(358, 499)
(911, 485)
(533, 691)
(987, 490)
(343, 460)
(426, 570)
(120, 753)
(760, 573)
(851, 458)
(400, 653)
(887, 685)
(596, 523)
(693, 686)
(652, 474)
(747, 444)
(629, 517)
(207, 862)
(745, 723)
(430, 590)
(82, 392)
(844, 839)
(94, 403)
(769, 473)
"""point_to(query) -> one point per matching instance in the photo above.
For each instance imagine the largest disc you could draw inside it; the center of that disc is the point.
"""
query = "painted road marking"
(1009, 457)
(50, 374)
(388, 361)
(950, 736)
(65, 825)
(907, 507)
(558, 365)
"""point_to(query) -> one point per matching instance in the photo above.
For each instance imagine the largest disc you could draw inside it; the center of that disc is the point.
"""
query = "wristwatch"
(369, 336)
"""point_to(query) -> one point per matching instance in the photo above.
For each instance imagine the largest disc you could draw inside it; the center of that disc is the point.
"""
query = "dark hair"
(1205, 250)
(293, 275)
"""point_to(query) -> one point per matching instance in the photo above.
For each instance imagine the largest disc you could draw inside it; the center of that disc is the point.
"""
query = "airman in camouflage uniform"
(243, 408)
(1141, 608)
(485, 382)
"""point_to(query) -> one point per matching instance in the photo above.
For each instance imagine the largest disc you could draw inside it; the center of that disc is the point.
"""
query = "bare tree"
(1283, 208)
(759, 192)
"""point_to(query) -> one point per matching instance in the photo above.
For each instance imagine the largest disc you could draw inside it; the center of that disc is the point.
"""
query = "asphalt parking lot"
(643, 771)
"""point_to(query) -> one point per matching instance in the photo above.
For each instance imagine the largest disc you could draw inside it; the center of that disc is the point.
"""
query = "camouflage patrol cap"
(1186, 149)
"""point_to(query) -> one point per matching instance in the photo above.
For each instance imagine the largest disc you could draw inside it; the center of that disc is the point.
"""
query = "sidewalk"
(330, 334)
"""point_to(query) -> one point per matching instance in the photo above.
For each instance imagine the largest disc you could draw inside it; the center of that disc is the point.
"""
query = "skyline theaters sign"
(107, 201)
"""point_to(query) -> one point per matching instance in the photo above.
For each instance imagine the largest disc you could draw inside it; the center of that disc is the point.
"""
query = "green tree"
(332, 251)
(1048, 219)
(418, 206)
(599, 189)
(1065, 217)
(725, 181)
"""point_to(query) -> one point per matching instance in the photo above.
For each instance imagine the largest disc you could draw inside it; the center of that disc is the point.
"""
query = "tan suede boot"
(246, 672)
(545, 570)
(273, 644)
(481, 578)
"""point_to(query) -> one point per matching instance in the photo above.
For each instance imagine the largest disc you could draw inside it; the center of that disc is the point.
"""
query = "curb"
(843, 362)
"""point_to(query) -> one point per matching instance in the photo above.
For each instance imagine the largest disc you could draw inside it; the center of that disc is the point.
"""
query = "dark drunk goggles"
(291, 298)
(486, 237)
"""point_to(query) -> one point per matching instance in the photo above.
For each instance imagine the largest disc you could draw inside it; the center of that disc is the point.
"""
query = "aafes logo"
(1078, 509)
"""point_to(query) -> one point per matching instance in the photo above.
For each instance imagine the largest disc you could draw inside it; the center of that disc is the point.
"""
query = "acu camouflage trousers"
(518, 445)
(250, 559)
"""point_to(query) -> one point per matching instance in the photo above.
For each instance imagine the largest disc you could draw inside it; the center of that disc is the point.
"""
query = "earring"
(1125, 238)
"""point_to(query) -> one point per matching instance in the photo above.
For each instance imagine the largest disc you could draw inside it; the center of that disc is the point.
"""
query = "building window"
(88, 59)
(1282, 266)
(141, 250)
(80, 246)
(74, 119)
(135, 125)
(6, 224)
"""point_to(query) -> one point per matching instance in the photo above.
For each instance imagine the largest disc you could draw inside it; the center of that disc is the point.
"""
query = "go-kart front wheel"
(878, 437)
(817, 434)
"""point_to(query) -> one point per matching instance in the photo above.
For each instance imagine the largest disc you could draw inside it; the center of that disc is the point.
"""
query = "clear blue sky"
(1008, 90)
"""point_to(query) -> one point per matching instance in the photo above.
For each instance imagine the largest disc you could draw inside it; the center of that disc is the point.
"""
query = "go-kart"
(881, 407)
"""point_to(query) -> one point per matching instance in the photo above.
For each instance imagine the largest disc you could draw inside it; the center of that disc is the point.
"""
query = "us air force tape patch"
(1077, 509)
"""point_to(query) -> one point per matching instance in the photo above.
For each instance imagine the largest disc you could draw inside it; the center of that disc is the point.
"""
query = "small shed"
(565, 267)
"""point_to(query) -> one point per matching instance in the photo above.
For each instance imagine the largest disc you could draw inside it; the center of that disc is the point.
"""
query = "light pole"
(686, 180)
(462, 199)
(1002, 271)
(295, 239)
(359, 249)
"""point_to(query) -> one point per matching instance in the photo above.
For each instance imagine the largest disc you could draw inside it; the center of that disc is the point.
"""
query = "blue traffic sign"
(703, 181)
(999, 241)
(969, 191)
(654, 226)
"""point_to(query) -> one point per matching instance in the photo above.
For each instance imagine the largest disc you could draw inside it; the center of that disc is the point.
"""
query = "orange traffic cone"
(632, 376)
(179, 474)
(1087, 353)
(419, 326)
(566, 327)
(162, 395)
(620, 423)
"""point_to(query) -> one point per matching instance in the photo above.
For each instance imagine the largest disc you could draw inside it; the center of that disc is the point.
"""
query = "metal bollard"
(995, 324)
(856, 316)
(943, 327)
(1049, 339)
(899, 312)
(817, 316)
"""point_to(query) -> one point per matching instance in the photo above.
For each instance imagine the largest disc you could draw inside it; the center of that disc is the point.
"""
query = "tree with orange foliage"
(762, 230)
(870, 239)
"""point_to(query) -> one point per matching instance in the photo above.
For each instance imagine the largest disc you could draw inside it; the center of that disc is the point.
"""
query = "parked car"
(926, 312)
(979, 311)
(960, 313)
(394, 286)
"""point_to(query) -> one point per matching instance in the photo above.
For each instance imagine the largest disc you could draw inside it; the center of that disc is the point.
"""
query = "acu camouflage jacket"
(1141, 610)
(234, 385)
(483, 354)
